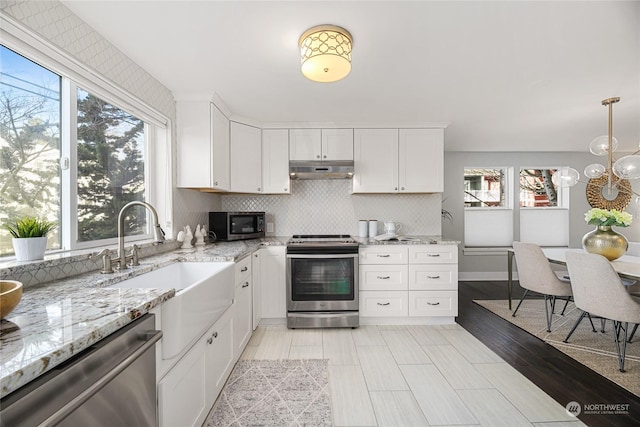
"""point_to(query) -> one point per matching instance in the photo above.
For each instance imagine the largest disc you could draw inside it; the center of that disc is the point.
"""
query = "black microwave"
(236, 225)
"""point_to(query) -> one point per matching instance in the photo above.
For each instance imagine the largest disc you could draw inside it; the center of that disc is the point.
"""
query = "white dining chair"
(535, 274)
(598, 290)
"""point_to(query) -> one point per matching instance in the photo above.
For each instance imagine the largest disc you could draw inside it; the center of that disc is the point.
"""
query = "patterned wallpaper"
(328, 207)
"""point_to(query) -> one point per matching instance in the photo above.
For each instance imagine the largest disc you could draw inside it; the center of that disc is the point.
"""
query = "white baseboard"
(437, 320)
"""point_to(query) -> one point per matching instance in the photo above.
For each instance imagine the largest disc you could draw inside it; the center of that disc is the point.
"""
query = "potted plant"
(30, 237)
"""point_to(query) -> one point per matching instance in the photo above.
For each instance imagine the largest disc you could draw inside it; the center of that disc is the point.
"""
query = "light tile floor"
(414, 376)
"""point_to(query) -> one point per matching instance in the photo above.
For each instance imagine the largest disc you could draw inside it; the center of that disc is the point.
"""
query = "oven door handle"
(322, 256)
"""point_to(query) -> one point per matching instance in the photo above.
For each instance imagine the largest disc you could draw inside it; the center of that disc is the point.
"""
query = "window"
(488, 214)
(30, 97)
(544, 213)
(70, 156)
(485, 187)
(536, 188)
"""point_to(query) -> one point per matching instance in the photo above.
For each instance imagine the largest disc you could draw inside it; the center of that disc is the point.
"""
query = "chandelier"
(608, 186)
(325, 53)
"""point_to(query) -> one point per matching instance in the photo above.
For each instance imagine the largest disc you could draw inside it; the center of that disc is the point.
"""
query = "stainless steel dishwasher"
(112, 383)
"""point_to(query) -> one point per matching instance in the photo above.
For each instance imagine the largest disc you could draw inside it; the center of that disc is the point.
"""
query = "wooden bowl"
(10, 294)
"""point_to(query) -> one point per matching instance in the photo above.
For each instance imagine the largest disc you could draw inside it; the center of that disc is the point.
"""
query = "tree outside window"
(536, 188)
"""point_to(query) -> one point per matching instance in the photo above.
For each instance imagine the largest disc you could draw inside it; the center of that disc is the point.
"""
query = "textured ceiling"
(506, 76)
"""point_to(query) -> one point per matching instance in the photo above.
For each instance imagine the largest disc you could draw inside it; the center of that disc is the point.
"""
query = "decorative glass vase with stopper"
(604, 240)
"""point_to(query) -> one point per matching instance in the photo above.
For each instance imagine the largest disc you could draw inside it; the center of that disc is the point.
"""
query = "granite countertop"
(57, 320)
(407, 240)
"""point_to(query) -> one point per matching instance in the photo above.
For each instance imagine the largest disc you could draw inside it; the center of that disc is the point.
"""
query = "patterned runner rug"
(595, 350)
(274, 393)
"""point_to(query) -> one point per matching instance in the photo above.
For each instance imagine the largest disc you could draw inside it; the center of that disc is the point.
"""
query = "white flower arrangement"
(606, 217)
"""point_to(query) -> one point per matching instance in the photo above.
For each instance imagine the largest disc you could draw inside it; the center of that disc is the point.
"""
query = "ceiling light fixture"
(325, 53)
(608, 186)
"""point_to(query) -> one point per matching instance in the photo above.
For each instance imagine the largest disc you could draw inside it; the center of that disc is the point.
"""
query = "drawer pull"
(433, 255)
(384, 277)
(384, 303)
(383, 256)
(433, 303)
(433, 277)
(244, 269)
(245, 284)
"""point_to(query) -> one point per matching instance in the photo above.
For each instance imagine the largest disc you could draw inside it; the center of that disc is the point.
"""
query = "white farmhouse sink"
(204, 290)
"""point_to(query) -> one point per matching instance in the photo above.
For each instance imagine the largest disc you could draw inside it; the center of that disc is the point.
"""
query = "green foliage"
(30, 227)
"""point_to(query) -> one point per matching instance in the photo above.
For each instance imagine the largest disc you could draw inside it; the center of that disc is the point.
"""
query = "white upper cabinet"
(275, 161)
(421, 161)
(375, 157)
(321, 144)
(246, 158)
(398, 161)
(337, 144)
(203, 146)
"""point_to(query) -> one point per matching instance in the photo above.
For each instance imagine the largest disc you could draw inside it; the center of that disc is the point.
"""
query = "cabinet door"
(256, 278)
(273, 282)
(421, 160)
(219, 356)
(384, 303)
(182, 393)
(383, 254)
(275, 161)
(375, 156)
(246, 158)
(383, 277)
(243, 318)
(305, 144)
(337, 144)
(194, 144)
(220, 154)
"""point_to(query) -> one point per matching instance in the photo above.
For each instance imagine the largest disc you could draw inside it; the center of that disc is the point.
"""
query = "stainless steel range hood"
(328, 169)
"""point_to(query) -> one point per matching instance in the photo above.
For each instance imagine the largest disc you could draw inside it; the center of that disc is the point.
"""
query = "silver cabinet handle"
(317, 156)
(256, 255)
(215, 334)
(433, 277)
(402, 188)
(395, 188)
(383, 256)
(259, 189)
(244, 269)
(215, 182)
(433, 255)
(383, 277)
(210, 340)
(285, 189)
(433, 303)
(324, 157)
(245, 284)
(384, 303)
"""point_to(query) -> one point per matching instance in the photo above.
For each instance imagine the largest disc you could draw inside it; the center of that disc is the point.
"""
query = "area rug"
(274, 393)
(594, 350)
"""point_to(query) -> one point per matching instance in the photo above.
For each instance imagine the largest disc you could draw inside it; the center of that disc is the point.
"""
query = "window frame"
(158, 139)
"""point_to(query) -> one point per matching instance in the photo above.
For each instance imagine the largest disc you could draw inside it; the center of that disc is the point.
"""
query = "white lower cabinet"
(188, 391)
(242, 303)
(408, 281)
(273, 281)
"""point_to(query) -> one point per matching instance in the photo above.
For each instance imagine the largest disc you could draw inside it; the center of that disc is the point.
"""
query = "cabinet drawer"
(384, 255)
(433, 303)
(383, 304)
(383, 277)
(433, 277)
(433, 254)
(243, 270)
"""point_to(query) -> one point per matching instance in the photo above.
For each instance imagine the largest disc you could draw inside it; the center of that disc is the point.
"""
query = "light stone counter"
(57, 320)
(408, 240)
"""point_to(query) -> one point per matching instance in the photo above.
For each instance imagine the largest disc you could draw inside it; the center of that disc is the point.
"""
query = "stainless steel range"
(322, 281)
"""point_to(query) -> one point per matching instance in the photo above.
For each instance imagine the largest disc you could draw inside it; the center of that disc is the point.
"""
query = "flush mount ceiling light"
(325, 53)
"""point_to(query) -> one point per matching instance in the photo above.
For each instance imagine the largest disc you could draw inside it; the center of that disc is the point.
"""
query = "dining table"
(627, 266)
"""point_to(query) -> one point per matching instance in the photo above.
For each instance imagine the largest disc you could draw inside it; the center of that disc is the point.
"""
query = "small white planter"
(29, 248)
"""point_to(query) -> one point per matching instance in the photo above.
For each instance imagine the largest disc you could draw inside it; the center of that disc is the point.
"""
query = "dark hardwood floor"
(560, 376)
